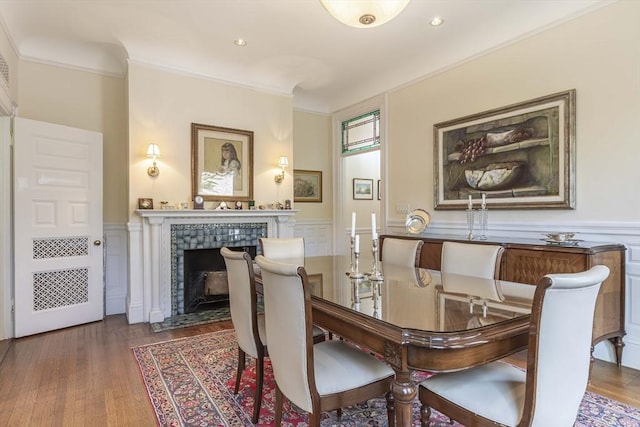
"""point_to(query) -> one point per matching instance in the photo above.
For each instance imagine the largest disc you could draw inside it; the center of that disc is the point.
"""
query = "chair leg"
(241, 365)
(425, 416)
(257, 401)
(314, 419)
(391, 409)
(279, 398)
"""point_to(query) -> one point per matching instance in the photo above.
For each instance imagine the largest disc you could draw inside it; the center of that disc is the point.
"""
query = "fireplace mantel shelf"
(227, 213)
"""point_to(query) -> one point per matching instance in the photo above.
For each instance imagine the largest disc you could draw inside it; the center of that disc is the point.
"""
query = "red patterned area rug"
(190, 382)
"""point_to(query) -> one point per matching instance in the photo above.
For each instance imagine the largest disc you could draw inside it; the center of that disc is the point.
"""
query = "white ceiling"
(294, 46)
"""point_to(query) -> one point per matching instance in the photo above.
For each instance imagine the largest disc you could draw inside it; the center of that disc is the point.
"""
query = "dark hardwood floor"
(86, 375)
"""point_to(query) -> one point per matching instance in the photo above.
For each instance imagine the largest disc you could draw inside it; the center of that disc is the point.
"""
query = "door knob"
(97, 242)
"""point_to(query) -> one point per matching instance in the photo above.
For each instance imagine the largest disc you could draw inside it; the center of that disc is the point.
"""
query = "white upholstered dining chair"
(290, 249)
(471, 259)
(249, 326)
(401, 252)
(558, 362)
(316, 378)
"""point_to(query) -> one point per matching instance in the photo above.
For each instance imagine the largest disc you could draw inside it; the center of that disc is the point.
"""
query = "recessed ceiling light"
(436, 21)
(240, 42)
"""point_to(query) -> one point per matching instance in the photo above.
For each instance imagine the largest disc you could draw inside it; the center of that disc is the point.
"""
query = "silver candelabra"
(470, 223)
(375, 273)
(355, 272)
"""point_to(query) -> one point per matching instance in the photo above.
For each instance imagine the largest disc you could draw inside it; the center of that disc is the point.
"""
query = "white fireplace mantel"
(149, 296)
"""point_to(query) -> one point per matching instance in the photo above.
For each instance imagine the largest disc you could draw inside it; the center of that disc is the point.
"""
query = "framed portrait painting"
(520, 157)
(221, 163)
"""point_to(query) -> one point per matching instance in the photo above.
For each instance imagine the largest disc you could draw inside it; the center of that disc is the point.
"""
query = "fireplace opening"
(205, 278)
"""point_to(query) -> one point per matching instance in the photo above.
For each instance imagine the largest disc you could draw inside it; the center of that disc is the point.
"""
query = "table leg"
(618, 345)
(404, 392)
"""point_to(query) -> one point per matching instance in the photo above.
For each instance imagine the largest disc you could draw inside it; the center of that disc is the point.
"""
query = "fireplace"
(157, 248)
(210, 238)
(205, 278)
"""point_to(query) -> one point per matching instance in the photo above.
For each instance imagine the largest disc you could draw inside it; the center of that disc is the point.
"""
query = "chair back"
(290, 250)
(288, 322)
(559, 349)
(471, 259)
(242, 299)
(402, 252)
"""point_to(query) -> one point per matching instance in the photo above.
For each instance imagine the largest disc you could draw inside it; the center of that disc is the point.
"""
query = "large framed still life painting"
(520, 157)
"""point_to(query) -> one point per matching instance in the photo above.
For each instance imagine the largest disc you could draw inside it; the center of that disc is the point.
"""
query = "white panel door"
(58, 227)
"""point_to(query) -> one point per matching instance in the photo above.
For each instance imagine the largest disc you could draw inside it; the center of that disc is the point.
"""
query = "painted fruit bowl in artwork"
(495, 176)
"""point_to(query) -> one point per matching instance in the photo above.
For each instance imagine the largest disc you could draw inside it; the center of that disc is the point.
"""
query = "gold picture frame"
(145, 203)
(307, 186)
(521, 156)
(221, 163)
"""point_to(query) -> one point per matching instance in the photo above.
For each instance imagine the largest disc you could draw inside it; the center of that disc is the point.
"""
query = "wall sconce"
(153, 151)
(283, 162)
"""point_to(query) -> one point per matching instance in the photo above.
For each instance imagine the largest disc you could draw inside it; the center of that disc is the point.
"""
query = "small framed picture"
(307, 186)
(145, 203)
(379, 193)
(362, 189)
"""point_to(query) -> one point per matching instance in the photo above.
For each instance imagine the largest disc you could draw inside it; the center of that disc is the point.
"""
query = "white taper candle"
(353, 224)
(374, 233)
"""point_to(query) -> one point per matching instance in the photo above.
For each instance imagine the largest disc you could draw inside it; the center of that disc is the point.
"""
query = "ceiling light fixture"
(436, 21)
(240, 42)
(364, 13)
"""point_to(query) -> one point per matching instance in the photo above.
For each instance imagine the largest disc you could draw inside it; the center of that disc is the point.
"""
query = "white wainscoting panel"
(317, 236)
(115, 241)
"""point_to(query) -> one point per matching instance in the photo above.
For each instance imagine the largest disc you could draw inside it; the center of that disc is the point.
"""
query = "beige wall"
(312, 151)
(87, 101)
(597, 54)
(162, 106)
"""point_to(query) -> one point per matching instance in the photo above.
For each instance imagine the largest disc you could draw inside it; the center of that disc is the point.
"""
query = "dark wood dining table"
(419, 319)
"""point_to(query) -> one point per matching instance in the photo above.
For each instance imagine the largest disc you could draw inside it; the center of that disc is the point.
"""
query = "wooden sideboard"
(527, 260)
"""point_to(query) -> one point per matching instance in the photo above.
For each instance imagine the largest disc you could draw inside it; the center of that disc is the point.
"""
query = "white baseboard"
(630, 352)
(134, 312)
(115, 305)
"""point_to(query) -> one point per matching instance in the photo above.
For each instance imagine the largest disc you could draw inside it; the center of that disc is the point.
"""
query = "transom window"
(361, 133)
